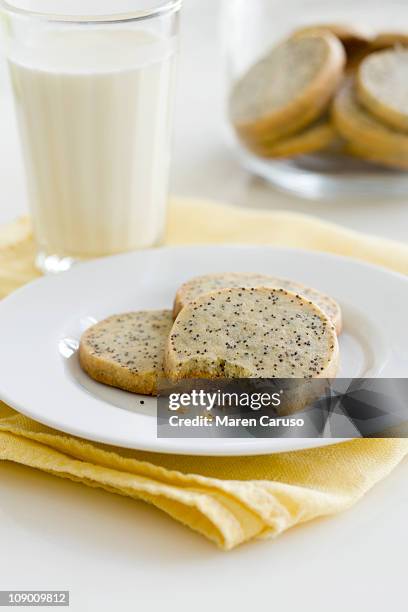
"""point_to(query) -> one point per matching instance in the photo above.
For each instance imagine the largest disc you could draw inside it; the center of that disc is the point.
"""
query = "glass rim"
(166, 7)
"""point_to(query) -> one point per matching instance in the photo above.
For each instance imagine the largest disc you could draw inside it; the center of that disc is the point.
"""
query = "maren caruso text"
(228, 421)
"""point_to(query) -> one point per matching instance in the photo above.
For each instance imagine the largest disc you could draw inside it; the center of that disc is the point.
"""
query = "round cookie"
(288, 88)
(200, 285)
(382, 86)
(375, 157)
(251, 333)
(360, 128)
(313, 138)
(127, 350)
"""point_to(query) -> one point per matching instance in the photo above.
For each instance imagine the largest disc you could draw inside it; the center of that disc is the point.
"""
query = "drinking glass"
(93, 87)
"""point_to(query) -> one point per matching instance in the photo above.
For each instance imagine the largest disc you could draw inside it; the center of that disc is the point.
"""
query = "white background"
(117, 554)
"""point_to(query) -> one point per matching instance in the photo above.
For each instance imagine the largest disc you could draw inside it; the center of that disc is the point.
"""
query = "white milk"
(94, 116)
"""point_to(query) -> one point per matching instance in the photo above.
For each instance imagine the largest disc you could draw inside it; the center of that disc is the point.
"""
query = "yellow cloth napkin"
(229, 500)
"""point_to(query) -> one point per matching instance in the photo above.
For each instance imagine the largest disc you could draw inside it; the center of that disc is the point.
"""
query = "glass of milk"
(93, 88)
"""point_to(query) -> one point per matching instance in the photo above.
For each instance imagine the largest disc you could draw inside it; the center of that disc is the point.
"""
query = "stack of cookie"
(329, 88)
(371, 110)
(222, 326)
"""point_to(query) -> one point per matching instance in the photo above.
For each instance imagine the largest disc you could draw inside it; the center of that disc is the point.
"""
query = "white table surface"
(117, 554)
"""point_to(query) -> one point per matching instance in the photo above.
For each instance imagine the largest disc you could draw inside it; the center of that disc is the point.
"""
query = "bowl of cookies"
(317, 96)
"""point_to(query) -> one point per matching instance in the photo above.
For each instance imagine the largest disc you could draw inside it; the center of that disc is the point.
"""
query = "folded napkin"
(228, 499)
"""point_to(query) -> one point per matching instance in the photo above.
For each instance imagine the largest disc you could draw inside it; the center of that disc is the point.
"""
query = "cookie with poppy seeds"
(364, 132)
(382, 87)
(127, 350)
(288, 88)
(200, 285)
(313, 138)
(251, 333)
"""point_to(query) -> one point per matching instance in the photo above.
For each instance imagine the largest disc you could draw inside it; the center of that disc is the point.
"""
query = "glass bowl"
(249, 31)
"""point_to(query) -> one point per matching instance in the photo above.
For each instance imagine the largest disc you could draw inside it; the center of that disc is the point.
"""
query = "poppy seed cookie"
(127, 350)
(313, 138)
(368, 154)
(382, 86)
(288, 88)
(364, 132)
(200, 285)
(251, 333)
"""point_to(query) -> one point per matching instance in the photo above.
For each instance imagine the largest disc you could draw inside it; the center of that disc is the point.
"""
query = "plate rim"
(228, 246)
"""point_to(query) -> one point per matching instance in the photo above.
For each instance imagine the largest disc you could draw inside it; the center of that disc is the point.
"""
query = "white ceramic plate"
(40, 326)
